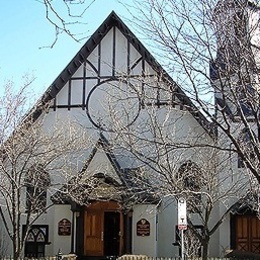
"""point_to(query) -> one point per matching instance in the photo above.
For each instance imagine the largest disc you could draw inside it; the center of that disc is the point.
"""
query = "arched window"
(37, 181)
(35, 241)
(191, 176)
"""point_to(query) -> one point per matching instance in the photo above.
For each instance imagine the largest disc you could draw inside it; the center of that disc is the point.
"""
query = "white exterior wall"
(167, 221)
(145, 245)
(225, 170)
(235, 181)
(63, 243)
(224, 235)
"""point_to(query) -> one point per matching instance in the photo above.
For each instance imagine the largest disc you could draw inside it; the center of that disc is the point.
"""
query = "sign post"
(182, 221)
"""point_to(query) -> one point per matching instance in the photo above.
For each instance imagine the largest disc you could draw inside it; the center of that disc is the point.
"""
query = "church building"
(119, 194)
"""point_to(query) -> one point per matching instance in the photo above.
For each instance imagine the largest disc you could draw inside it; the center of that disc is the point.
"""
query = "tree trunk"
(16, 250)
(205, 248)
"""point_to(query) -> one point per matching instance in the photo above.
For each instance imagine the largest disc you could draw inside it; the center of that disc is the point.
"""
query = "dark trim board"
(232, 231)
(112, 77)
(114, 52)
(80, 234)
(84, 87)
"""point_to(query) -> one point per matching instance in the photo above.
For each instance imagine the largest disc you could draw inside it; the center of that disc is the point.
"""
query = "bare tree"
(3, 244)
(66, 17)
(34, 164)
(211, 49)
(177, 155)
(177, 162)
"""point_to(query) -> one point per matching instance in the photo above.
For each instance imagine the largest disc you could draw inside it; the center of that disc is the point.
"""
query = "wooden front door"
(103, 229)
(93, 245)
(247, 235)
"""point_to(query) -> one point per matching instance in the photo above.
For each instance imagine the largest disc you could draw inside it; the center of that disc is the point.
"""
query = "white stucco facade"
(113, 99)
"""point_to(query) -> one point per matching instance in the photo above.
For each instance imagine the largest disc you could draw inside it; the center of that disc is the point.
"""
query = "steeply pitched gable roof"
(137, 187)
(111, 21)
(132, 189)
(105, 146)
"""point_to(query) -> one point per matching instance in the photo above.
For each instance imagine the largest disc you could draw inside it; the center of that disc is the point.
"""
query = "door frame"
(233, 232)
(100, 207)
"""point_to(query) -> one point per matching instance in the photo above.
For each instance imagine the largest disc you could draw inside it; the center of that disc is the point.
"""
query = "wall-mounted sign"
(64, 227)
(143, 228)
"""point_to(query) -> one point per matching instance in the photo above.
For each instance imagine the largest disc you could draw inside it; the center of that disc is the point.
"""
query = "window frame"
(34, 248)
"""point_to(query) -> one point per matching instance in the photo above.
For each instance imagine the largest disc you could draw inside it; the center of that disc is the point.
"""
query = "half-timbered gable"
(113, 60)
(111, 84)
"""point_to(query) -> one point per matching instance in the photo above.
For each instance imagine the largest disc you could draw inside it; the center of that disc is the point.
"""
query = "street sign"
(182, 214)
(182, 227)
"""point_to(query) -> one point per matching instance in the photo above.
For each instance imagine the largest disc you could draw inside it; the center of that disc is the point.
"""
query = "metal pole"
(182, 245)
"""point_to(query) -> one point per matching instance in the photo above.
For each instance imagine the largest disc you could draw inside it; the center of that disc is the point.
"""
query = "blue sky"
(24, 30)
